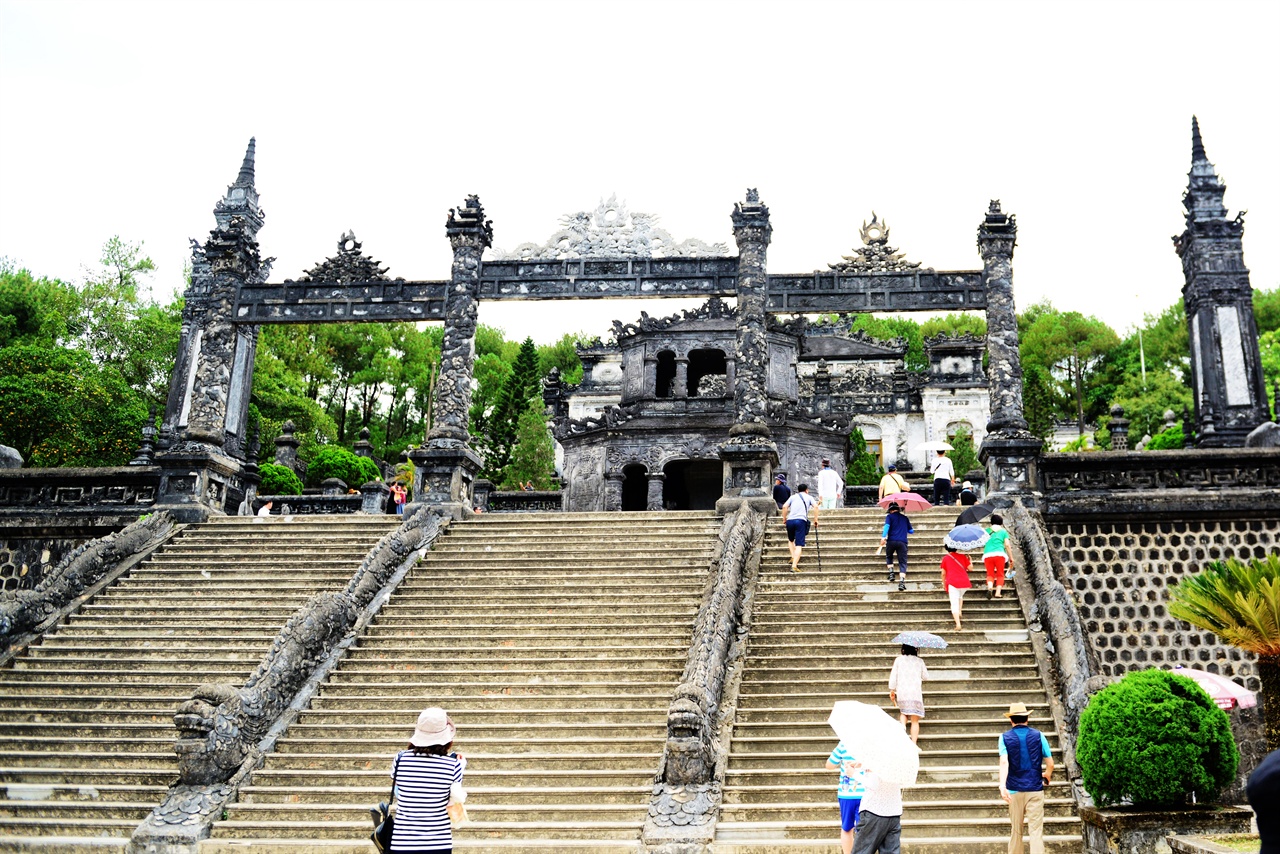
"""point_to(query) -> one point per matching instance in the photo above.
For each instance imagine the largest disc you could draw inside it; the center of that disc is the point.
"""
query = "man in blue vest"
(1022, 782)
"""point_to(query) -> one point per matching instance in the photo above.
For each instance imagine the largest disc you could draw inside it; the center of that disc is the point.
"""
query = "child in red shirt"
(955, 578)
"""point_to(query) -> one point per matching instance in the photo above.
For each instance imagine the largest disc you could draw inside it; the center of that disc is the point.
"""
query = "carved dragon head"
(210, 743)
(690, 757)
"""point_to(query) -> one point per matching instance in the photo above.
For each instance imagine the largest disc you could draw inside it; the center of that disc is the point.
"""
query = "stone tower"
(1226, 367)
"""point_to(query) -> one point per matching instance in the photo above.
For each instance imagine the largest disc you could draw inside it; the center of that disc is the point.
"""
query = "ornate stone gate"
(203, 441)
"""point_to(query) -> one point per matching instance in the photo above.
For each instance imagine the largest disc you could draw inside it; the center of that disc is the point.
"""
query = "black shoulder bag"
(383, 818)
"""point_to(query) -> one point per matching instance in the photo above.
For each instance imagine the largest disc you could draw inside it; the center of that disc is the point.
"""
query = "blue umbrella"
(966, 537)
(920, 640)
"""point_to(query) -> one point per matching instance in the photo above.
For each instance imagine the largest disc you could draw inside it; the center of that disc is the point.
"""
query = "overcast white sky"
(131, 119)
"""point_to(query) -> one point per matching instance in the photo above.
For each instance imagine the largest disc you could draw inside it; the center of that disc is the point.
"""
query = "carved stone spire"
(1203, 198)
(1226, 366)
(242, 197)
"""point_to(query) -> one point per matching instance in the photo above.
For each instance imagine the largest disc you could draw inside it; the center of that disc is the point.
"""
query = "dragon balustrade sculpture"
(687, 793)
(77, 572)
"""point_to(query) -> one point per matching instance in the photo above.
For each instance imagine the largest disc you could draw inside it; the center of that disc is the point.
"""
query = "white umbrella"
(937, 445)
(877, 741)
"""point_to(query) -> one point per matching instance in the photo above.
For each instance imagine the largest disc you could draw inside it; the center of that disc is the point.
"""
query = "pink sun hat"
(434, 727)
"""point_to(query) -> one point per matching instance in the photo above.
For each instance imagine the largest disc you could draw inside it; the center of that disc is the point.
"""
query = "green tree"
(563, 355)
(1240, 603)
(1269, 347)
(520, 387)
(1266, 310)
(964, 457)
(278, 480)
(1145, 407)
(60, 408)
(334, 461)
(885, 328)
(1038, 400)
(33, 310)
(1069, 346)
(533, 458)
(864, 470)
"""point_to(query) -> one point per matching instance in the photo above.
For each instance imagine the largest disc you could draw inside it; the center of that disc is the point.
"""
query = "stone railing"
(687, 793)
(536, 501)
(84, 567)
(1066, 660)
(224, 731)
(122, 491)
(1208, 468)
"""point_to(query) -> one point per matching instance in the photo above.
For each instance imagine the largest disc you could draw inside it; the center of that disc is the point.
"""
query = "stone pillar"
(749, 456)
(373, 498)
(613, 491)
(1119, 427)
(146, 451)
(657, 481)
(287, 448)
(446, 467)
(363, 447)
(680, 388)
(822, 387)
(650, 376)
(1226, 364)
(1009, 451)
(333, 486)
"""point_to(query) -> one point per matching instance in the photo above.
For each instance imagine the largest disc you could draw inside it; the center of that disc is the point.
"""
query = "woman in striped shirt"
(426, 774)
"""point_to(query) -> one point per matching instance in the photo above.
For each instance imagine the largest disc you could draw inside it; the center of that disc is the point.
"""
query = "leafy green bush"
(333, 461)
(1167, 440)
(1153, 738)
(279, 480)
(964, 457)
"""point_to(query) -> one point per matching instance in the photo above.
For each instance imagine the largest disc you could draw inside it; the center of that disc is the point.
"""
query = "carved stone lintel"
(349, 265)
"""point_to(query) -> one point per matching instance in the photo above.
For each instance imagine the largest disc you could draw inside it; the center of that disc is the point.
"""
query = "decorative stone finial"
(876, 255)
(1197, 144)
(467, 223)
(146, 451)
(246, 168)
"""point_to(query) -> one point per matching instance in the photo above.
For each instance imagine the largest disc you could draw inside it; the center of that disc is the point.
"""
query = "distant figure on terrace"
(944, 476)
(830, 486)
(892, 482)
(265, 510)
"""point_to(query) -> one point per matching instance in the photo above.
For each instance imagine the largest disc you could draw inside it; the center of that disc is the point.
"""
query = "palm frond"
(1239, 602)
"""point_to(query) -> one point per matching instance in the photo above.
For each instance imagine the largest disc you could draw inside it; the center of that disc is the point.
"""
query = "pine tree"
(864, 470)
(963, 456)
(533, 458)
(520, 387)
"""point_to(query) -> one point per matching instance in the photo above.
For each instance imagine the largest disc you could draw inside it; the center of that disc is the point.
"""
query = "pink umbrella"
(910, 502)
(1226, 693)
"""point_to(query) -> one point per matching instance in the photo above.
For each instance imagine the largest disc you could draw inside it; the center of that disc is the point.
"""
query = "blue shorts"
(796, 530)
(849, 808)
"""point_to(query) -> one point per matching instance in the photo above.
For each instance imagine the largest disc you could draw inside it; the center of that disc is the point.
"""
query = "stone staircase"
(86, 716)
(553, 641)
(822, 636)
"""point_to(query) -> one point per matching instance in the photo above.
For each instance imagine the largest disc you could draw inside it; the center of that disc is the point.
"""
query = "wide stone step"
(912, 829)
(938, 695)
(385, 643)
(524, 845)
(769, 839)
(761, 758)
(114, 714)
(359, 830)
(529, 795)
(481, 734)
(949, 713)
(556, 760)
(72, 830)
(961, 811)
(546, 701)
(478, 811)
(816, 787)
(128, 757)
(276, 779)
(16, 810)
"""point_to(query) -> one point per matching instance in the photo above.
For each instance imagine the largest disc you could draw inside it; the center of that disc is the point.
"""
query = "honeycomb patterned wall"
(24, 561)
(1121, 573)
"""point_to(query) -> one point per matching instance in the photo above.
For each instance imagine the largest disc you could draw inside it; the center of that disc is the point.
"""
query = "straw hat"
(1018, 709)
(434, 727)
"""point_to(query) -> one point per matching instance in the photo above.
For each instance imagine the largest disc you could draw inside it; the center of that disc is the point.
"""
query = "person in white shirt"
(265, 510)
(795, 515)
(944, 475)
(880, 819)
(830, 486)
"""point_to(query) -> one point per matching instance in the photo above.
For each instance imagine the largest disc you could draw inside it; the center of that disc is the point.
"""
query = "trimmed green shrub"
(864, 469)
(333, 461)
(1152, 739)
(278, 480)
(1167, 440)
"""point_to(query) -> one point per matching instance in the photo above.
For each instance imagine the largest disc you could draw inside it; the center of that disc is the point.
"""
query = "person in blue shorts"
(849, 795)
(796, 514)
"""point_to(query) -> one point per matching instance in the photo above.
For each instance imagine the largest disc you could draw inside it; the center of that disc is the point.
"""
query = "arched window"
(708, 363)
(666, 373)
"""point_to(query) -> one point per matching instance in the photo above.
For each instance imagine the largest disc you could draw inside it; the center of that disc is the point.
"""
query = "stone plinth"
(444, 472)
(1132, 831)
(749, 458)
(373, 497)
(197, 481)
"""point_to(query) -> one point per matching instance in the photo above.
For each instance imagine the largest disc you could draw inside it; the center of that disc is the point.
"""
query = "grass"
(1238, 842)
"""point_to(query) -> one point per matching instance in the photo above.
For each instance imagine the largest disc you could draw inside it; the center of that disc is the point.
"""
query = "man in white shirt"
(830, 486)
(880, 822)
(944, 474)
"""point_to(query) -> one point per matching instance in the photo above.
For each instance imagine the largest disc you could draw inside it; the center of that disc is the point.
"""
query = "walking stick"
(817, 544)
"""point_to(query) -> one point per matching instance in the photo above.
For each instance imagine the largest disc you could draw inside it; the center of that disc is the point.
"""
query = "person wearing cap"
(830, 486)
(892, 482)
(893, 539)
(795, 515)
(781, 492)
(968, 495)
(1022, 780)
(428, 777)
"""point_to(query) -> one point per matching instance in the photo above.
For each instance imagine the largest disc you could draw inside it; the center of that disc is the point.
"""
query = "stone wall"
(1121, 571)
(25, 556)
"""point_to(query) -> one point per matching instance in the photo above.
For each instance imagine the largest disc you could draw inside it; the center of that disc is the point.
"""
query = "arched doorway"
(635, 488)
(692, 484)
